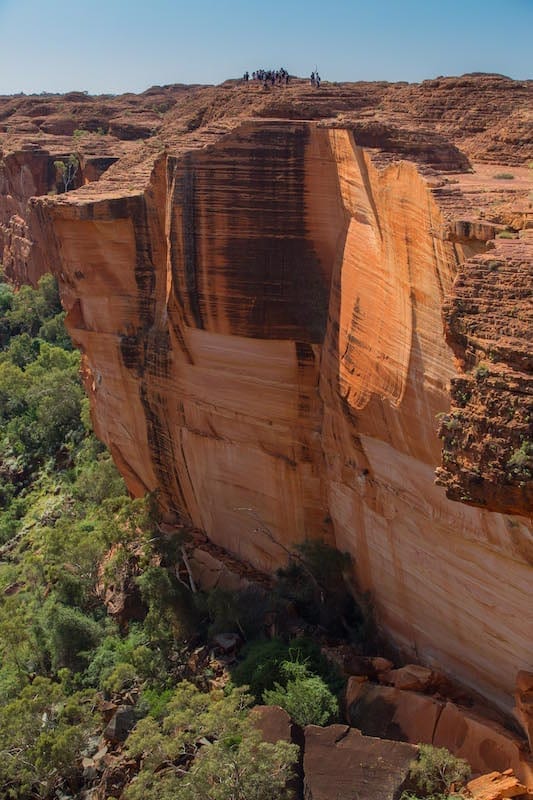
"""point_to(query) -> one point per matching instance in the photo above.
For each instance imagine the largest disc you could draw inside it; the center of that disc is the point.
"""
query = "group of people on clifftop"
(276, 77)
(268, 77)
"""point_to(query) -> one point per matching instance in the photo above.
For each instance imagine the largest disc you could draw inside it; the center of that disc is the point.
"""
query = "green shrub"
(41, 736)
(154, 702)
(147, 663)
(437, 771)
(481, 372)
(262, 665)
(209, 748)
(70, 635)
(503, 176)
(305, 696)
(314, 583)
(122, 677)
(521, 461)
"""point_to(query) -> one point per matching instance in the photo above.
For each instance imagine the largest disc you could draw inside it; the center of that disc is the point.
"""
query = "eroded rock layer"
(259, 303)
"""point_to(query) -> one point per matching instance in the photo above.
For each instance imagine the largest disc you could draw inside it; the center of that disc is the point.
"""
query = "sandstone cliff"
(264, 297)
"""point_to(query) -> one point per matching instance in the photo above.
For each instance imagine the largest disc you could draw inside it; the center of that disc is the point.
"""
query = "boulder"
(381, 664)
(495, 786)
(120, 724)
(273, 722)
(412, 677)
(486, 745)
(227, 642)
(341, 763)
(390, 713)
(115, 778)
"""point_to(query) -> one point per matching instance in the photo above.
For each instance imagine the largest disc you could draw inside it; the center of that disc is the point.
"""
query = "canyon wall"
(273, 297)
(263, 344)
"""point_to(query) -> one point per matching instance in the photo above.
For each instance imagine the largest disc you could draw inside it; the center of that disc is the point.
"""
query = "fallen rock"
(341, 763)
(412, 677)
(390, 713)
(89, 769)
(210, 572)
(227, 642)
(381, 664)
(115, 778)
(273, 722)
(120, 724)
(495, 786)
(107, 708)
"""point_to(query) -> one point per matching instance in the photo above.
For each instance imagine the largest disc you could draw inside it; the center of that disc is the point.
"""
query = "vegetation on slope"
(69, 538)
(68, 532)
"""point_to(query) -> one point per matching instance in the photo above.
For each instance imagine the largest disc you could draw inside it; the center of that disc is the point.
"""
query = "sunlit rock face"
(261, 322)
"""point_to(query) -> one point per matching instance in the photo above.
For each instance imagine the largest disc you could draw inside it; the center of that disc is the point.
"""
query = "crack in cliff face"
(265, 321)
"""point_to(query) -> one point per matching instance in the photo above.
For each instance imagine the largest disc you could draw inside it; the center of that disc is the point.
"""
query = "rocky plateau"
(308, 313)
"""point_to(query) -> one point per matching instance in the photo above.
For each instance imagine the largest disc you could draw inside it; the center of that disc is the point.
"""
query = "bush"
(437, 771)
(209, 748)
(114, 652)
(314, 583)
(154, 702)
(503, 176)
(42, 733)
(261, 667)
(520, 463)
(305, 696)
(70, 634)
(481, 372)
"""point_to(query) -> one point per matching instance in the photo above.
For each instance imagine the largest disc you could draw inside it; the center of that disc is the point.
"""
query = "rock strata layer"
(258, 292)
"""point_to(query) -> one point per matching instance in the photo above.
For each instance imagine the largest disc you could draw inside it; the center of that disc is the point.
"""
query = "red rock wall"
(263, 339)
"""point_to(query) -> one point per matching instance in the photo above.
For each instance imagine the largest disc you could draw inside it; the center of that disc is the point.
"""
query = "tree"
(207, 748)
(41, 735)
(67, 170)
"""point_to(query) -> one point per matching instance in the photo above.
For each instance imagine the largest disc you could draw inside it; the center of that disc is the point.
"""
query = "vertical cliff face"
(260, 316)
(435, 567)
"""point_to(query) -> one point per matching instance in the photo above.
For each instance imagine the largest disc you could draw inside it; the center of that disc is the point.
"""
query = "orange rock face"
(408, 716)
(259, 304)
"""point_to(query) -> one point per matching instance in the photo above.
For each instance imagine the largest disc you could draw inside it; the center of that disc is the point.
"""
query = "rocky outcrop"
(409, 716)
(339, 762)
(495, 786)
(487, 435)
(259, 301)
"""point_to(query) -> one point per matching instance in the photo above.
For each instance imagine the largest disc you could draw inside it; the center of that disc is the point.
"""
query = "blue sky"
(129, 45)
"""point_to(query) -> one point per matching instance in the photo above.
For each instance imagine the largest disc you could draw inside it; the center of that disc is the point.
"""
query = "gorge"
(310, 312)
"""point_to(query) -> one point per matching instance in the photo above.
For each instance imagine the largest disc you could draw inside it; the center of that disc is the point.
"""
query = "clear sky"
(128, 45)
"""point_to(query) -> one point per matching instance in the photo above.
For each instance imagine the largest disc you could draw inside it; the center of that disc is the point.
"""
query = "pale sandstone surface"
(259, 302)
